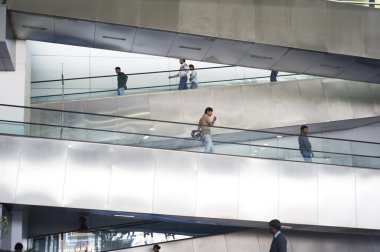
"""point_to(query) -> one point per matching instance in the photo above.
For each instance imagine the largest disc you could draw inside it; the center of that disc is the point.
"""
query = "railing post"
(62, 100)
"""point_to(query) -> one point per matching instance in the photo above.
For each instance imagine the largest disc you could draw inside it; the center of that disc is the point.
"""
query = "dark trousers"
(182, 83)
(306, 155)
(273, 76)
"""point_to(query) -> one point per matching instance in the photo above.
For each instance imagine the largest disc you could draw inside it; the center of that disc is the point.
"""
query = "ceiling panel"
(331, 65)
(114, 37)
(297, 61)
(33, 27)
(362, 70)
(227, 51)
(263, 56)
(190, 46)
(152, 42)
(74, 32)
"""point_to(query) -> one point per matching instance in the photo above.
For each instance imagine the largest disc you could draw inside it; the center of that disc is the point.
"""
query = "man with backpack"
(204, 125)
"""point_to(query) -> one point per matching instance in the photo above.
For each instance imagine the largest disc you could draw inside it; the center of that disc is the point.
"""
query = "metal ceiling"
(172, 44)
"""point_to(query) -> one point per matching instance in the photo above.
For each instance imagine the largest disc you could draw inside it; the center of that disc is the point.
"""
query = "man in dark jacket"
(279, 243)
(122, 79)
(304, 144)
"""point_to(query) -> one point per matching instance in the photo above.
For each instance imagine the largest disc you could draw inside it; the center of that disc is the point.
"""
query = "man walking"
(279, 243)
(304, 144)
(204, 125)
(122, 79)
(182, 74)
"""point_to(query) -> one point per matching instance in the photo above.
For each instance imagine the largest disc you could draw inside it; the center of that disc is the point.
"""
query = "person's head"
(19, 247)
(208, 111)
(304, 129)
(181, 61)
(156, 248)
(191, 66)
(117, 69)
(274, 226)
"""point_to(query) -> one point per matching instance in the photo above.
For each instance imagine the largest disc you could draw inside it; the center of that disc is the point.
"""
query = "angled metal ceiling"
(172, 44)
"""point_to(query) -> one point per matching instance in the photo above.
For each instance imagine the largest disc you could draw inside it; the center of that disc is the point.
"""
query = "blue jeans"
(209, 146)
(182, 83)
(306, 155)
(120, 91)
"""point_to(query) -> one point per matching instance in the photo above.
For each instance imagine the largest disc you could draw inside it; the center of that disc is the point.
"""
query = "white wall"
(15, 85)
(48, 60)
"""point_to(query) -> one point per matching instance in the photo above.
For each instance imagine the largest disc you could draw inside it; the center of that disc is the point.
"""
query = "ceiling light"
(261, 57)
(330, 66)
(124, 215)
(279, 136)
(152, 129)
(145, 137)
(34, 27)
(115, 38)
(191, 48)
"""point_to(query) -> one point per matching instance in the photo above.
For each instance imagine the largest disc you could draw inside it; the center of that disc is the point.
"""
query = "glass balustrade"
(118, 130)
(149, 82)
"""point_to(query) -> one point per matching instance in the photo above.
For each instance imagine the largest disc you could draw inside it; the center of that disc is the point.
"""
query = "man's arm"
(211, 123)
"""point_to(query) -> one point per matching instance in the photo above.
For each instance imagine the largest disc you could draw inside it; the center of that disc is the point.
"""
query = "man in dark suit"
(279, 240)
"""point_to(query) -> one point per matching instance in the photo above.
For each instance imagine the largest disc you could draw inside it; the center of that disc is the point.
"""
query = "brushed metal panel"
(42, 6)
(298, 193)
(10, 154)
(159, 14)
(229, 26)
(217, 188)
(306, 14)
(262, 56)
(338, 102)
(273, 22)
(375, 91)
(42, 170)
(195, 102)
(297, 61)
(175, 181)
(33, 27)
(80, 190)
(203, 19)
(118, 11)
(360, 243)
(361, 99)
(84, 9)
(74, 32)
(132, 179)
(227, 51)
(367, 198)
(245, 241)
(331, 65)
(265, 240)
(286, 96)
(183, 246)
(313, 100)
(336, 196)
(257, 200)
(230, 115)
(256, 98)
(210, 244)
(337, 243)
(307, 242)
(342, 29)
(371, 19)
(362, 70)
(190, 46)
(152, 42)
(161, 101)
(114, 37)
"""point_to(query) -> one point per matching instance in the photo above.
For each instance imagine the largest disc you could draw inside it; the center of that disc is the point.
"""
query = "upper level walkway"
(310, 37)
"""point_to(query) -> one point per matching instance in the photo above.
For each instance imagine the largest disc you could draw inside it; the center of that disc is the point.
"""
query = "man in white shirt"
(182, 74)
